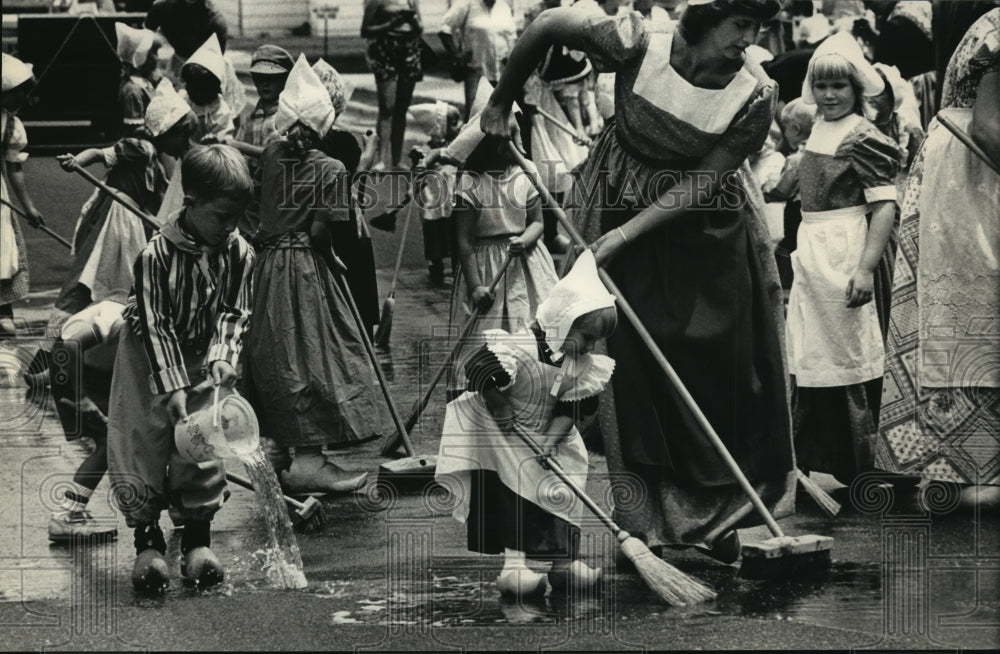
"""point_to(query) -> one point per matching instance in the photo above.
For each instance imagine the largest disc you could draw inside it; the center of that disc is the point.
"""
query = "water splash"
(284, 561)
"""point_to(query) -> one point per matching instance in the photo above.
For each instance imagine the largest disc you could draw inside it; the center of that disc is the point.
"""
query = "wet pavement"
(390, 570)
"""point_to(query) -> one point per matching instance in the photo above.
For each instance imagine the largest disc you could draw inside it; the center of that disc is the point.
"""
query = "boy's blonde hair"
(797, 112)
(210, 170)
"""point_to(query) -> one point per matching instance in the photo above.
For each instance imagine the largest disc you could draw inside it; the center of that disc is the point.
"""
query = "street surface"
(390, 571)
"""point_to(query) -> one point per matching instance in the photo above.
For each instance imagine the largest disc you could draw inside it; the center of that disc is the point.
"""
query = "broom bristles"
(384, 328)
(827, 504)
(675, 587)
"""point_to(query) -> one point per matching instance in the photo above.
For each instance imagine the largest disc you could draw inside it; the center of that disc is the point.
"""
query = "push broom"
(43, 228)
(413, 467)
(422, 402)
(777, 556)
(384, 329)
(672, 585)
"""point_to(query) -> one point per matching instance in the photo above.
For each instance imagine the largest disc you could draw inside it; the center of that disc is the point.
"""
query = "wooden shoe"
(573, 575)
(328, 479)
(202, 568)
(726, 549)
(150, 572)
(521, 583)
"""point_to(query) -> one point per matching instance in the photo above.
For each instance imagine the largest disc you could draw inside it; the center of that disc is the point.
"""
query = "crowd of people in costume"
(863, 340)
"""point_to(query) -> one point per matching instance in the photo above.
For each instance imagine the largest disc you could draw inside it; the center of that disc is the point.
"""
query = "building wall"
(279, 16)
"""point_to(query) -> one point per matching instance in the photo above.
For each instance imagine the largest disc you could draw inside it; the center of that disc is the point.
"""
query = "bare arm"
(15, 174)
(559, 26)
(527, 239)
(862, 283)
(985, 128)
(685, 197)
(465, 222)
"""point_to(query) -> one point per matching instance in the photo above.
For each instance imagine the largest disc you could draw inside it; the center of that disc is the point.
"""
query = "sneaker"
(573, 575)
(150, 572)
(71, 525)
(202, 568)
(521, 583)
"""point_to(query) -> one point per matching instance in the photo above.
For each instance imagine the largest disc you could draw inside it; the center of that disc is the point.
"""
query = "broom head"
(384, 329)
(786, 556)
(827, 504)
(672, 585)
(309, 517)
(386, 221)
(408, 473)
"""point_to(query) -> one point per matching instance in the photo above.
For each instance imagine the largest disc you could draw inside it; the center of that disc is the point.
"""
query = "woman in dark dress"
(691, 255)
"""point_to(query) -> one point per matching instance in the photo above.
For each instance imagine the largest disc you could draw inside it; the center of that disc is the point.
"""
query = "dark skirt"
(359, 257)
(707, 290)
(500, 518)
(308, 374)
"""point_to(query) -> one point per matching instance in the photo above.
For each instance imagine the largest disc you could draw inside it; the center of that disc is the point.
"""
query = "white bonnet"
(304, 100)
(165, 108)
(15, 72)
(133, 44)
(578, 293)
(210, 56)
(844, 45)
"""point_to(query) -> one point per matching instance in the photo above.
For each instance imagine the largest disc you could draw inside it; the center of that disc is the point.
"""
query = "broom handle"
(966, 140)
(401, 431)
(561, 125)
(44, 228)
(554, 466)
(245, 483)
(402, 245)
(640, 329)
(142, 215)
(424, 400)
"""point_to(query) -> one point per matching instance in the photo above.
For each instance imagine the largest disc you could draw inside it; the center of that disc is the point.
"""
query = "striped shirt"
(184, 299)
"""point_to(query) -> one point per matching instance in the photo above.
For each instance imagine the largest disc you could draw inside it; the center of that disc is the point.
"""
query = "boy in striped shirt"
(186, 316)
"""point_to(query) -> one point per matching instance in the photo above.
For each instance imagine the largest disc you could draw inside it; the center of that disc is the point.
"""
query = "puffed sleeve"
(875, 159)
(494, 365)
(749, 128)
(615, 42)
(14, 150)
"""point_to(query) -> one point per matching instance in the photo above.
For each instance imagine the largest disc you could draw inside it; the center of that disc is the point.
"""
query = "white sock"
(76, 497)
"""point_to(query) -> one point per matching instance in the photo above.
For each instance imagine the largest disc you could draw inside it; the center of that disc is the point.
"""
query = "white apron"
(828, 343)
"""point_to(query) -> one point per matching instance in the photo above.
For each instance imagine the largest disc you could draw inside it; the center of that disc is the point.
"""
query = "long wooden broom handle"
(117, 197)
(44, 228)
(967, 141)
(654, 349)
(563, 126)
(424, 400)
(554, 466)
(402, 240)
(359, 321)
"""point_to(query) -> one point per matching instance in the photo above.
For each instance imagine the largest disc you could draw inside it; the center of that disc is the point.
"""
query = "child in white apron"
(543, 379)
(835, 348)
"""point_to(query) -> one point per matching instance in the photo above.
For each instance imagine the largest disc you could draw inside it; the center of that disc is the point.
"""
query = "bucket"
(223, 428)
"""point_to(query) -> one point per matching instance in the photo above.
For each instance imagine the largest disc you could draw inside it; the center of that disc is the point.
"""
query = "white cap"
(845, 46)
(578, 293)
(209, 55)
(305, 100)
(133, 44)
(15, 72)
(165, 108)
